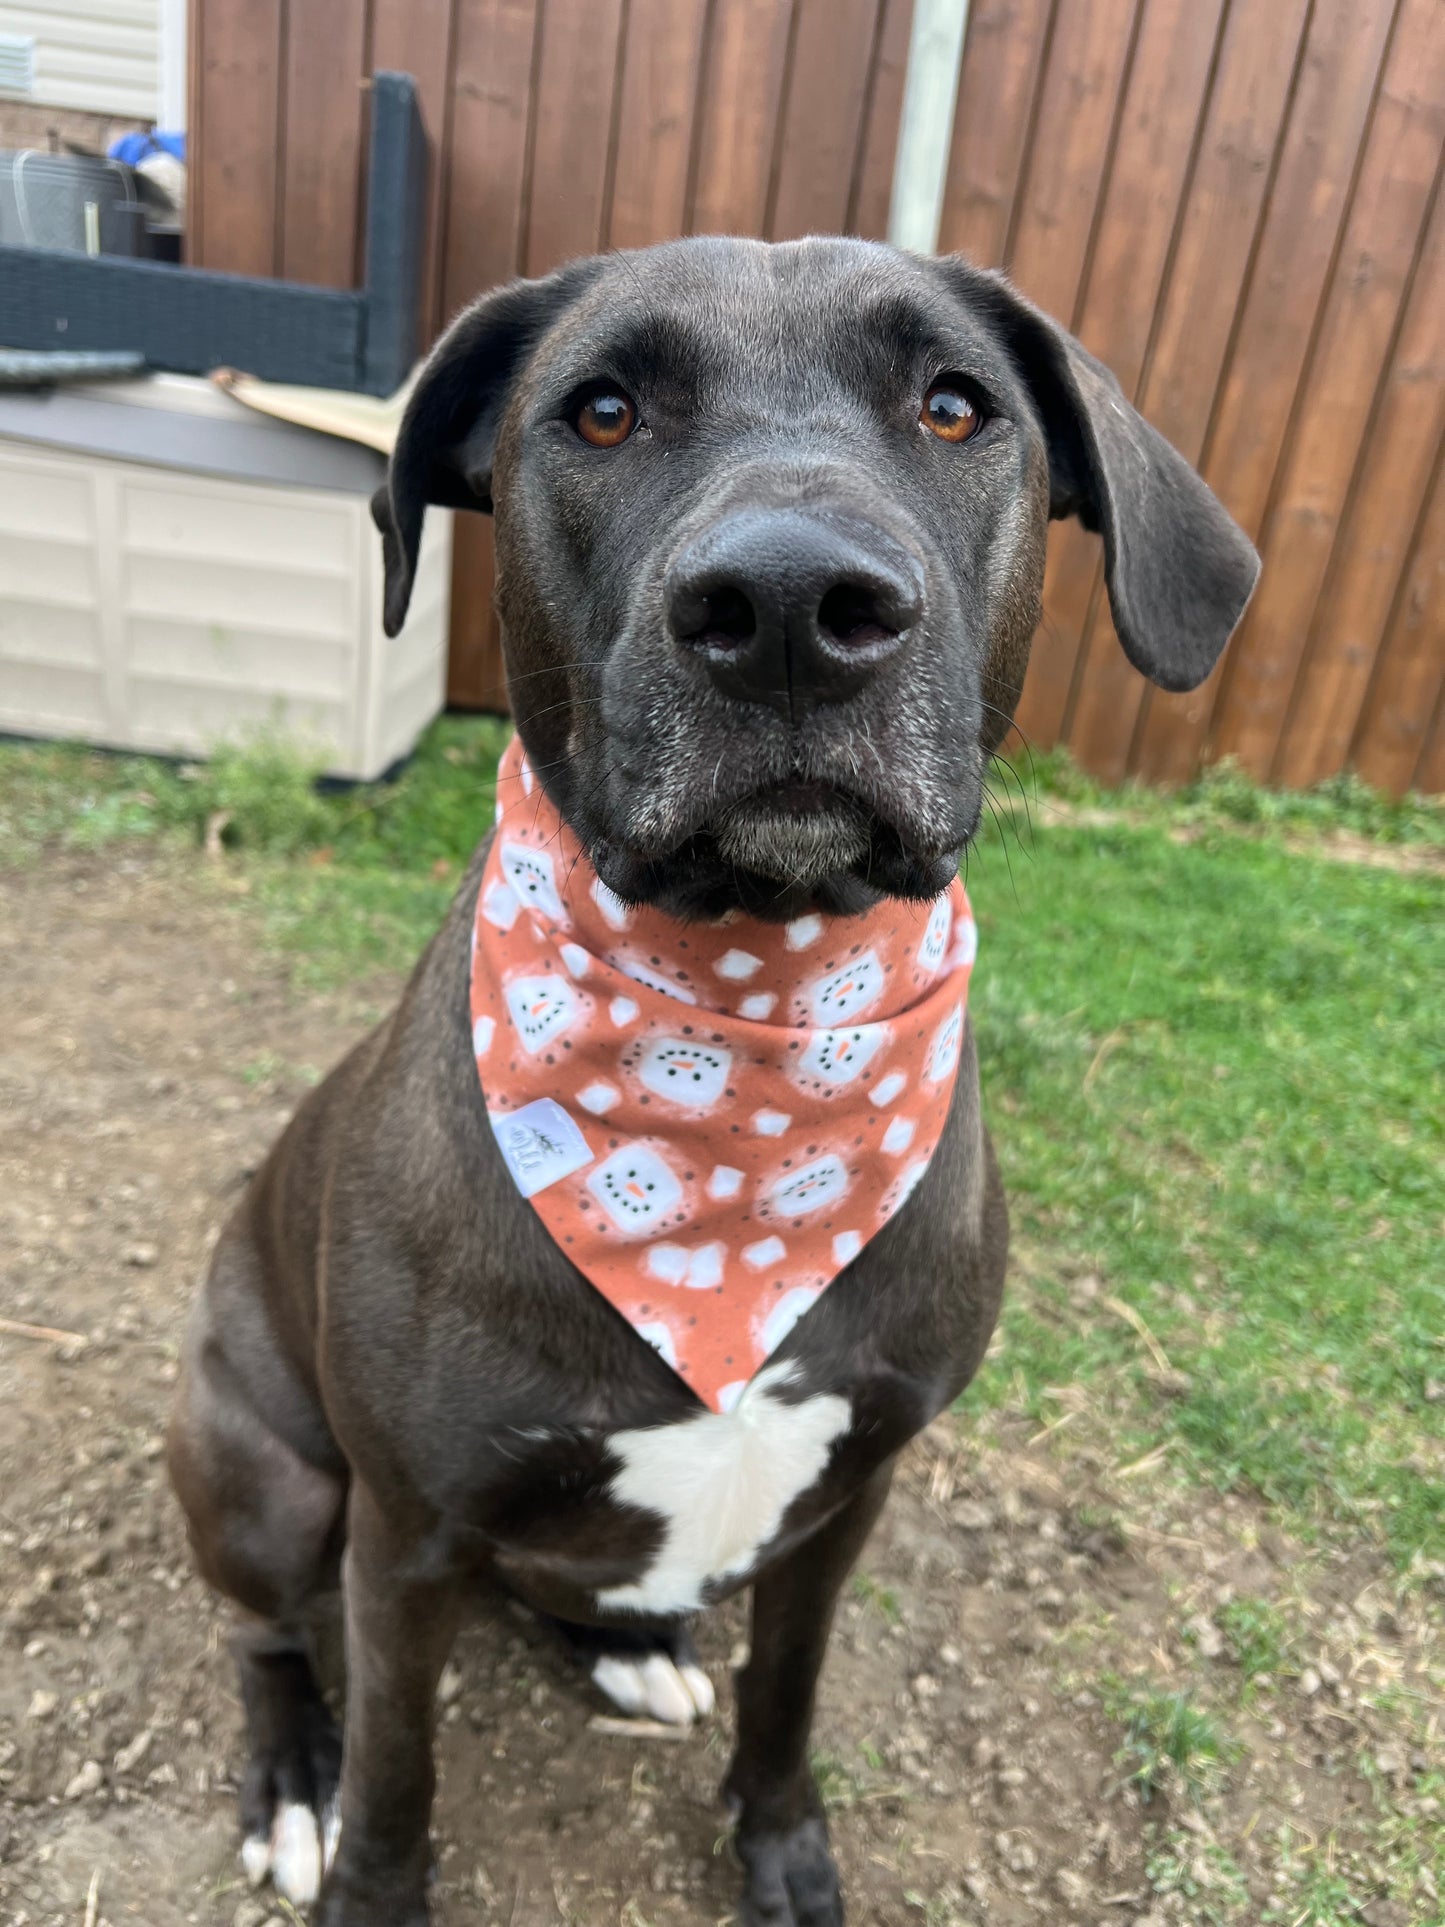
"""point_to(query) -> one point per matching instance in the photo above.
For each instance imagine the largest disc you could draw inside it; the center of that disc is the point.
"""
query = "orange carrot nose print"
(712, 1120)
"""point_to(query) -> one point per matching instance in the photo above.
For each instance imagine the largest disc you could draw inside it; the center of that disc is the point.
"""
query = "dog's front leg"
(782, 1837)
(400, 1623)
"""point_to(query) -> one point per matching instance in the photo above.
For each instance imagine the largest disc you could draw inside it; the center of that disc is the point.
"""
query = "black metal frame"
(191, 320)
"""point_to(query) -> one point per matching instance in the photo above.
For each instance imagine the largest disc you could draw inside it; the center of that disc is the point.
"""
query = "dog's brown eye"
(948, 413)
(606, 419)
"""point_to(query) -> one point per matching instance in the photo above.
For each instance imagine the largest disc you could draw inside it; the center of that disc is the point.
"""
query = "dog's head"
(770, 532)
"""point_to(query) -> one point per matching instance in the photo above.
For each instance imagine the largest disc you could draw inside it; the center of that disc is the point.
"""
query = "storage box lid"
(180, 422)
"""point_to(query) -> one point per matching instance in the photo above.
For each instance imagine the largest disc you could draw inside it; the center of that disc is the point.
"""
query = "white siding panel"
(103, 56)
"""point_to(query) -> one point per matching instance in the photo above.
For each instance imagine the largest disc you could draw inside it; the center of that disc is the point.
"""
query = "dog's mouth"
(774, 850)
(795, 832)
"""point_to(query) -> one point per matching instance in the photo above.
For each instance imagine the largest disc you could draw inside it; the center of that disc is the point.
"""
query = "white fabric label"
(540, 1143)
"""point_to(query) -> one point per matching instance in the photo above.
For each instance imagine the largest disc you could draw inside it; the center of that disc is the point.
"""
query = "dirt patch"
(965, 1744)
(1332, 846)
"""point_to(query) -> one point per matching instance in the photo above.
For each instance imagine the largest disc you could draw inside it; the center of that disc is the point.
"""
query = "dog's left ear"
(1179, 570)
(448, 436)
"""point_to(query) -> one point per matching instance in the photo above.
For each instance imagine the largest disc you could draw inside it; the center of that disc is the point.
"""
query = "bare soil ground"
(150, 1053)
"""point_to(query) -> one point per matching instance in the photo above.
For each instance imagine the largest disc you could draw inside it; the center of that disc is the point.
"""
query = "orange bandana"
(711, 1120)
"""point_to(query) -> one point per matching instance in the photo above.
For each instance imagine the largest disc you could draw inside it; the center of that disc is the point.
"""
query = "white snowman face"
(934, 946)
(533, 878)
(836, 1057)
(943, 1051)
(797, 1193)
(693, 1075)
(845, 993)
(541, 1008)
(635, 1188)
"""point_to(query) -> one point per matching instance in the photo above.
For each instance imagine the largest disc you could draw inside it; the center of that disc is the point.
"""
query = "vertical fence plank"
(236, 174)
(490, 116)
(1430, 771)
(661, 62)
(743, 78)
(822, 116)
(491, 103)
(1002, 63)
(1372, 546)
(873, 178)
(1344, 45)
(1410, 669)
(1071, 145)
(415, 37)
(1207, 283)
(1058, 202)
(1157, 128)
(1358, 324)
(323, 145)
(572, 130)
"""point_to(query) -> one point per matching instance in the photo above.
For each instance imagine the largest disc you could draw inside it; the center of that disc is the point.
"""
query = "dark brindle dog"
(755, 506)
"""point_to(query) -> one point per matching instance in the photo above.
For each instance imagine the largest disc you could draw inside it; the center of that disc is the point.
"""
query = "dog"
(770, 533)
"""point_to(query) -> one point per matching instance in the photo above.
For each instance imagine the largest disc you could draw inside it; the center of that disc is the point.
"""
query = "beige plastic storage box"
(176, 570)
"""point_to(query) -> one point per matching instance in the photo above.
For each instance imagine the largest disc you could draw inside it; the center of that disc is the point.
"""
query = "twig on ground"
(1131, 1317)
(1149, 1460)
(636, 1729)
(92, 1899)
(47, 1334)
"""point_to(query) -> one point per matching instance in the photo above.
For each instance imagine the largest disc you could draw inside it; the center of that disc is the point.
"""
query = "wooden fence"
(1234, 202)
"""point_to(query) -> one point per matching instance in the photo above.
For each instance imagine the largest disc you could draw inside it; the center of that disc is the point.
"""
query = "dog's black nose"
(793, 607)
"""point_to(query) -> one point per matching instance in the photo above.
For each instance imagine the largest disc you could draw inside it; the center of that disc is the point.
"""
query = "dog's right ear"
(448, 436)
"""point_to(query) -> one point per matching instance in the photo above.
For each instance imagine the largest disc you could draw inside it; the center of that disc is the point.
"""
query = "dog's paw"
(649, 1670)
(655, 1687)
(290, 1796)
(295, 1851)
(790, 1878)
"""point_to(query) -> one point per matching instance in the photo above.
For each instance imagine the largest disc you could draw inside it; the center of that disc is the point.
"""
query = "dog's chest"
(722, 1484)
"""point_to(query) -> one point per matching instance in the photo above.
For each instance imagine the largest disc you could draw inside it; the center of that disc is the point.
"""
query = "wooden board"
(572, 124)
(1003, 61)
(1207, 284)
(237, 54)
(1409, 678)
(873, 177)
(1335, 410)
(1065, 175)
(661, 64)
(1365, 569)
(745, 66)
(324, 125)
(487, 161)
(1138, 221)
(822, 117)
(1309, 196)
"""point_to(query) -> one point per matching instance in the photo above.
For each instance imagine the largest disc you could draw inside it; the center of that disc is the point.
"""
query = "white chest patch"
(722, 1481)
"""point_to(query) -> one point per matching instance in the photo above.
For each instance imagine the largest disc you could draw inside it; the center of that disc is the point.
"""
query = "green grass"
(1171, 1743)
(1214, 1071)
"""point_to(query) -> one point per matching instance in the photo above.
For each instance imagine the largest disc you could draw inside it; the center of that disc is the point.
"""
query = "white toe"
(699, 1688)
(296, 1855)
(255, 1858)
(667, 1698)
(330, 1833)
(621, 1681)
